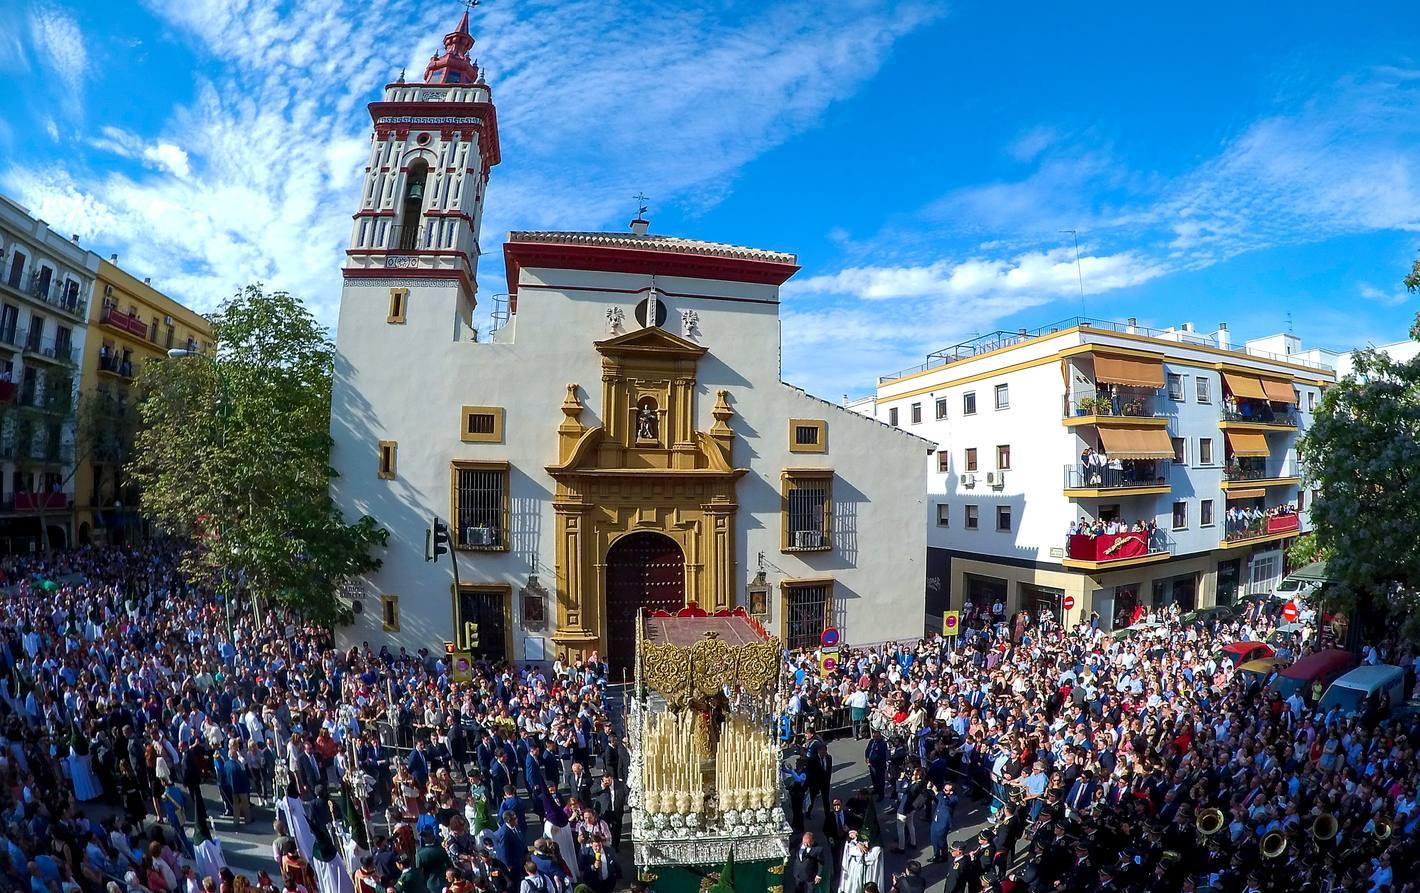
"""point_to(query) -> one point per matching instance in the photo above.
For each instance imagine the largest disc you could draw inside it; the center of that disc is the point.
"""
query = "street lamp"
(182, 353)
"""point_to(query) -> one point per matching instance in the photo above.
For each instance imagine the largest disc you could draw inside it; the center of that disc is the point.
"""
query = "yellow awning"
(1246, 494)
(1244, 386)
(1279, 391)
(1248, 444)
(1136, 443)
(1139, 373)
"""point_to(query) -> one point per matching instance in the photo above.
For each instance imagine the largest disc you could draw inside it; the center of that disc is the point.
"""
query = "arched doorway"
(643, 570)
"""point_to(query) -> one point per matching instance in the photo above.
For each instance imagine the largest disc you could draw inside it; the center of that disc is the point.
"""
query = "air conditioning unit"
(480, 536)
(996, 479)
(968, 480)
(167, 320)
(807, 539)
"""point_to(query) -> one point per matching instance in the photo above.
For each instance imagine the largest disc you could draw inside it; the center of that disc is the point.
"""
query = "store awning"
(1134, 371)
(1136, 443)
(1244, 386)
(1247, 494)
(1279, 391)
(1248, 444)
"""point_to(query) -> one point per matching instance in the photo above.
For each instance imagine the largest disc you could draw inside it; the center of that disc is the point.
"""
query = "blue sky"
(1220, 162)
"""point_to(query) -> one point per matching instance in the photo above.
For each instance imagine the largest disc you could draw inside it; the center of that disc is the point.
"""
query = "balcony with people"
(1114, 390)
(1252, 402)
(1100, 474)
(112, 362)
(1250, 465)
(1093, 544)
(1249, 521)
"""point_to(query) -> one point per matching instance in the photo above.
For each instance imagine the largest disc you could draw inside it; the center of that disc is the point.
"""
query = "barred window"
(481, 505)
(805, 434)
(806, 610)
(806, 510)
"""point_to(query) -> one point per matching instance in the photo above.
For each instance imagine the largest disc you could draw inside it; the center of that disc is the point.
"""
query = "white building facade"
(1188, 437)
(622, 442)
(46, 283)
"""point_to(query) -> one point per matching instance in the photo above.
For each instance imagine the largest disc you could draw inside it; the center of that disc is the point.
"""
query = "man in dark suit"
(819, 766)
(533, 775)
(805, 866)
(876, 756)
(418, 763)
(835, 828)
(500, 774)
(910, 881)
(617, 757)
(1081, 794)
(484, 754)
(579, 784)
(508, 845)
(610, 803)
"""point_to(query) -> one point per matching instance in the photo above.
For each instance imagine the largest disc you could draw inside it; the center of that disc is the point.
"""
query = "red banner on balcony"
(28, 502)
(1109, 546)
(1284, 523)
(123, 322)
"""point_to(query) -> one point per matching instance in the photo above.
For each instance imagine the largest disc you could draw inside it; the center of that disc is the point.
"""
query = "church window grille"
(480, 505)
(482, 424)
(806, 611)
(807, 507)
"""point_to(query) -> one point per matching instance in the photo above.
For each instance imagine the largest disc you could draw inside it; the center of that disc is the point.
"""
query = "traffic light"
(441, 538)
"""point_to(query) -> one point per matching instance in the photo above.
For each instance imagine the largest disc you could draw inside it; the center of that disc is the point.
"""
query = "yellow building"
(130, 322)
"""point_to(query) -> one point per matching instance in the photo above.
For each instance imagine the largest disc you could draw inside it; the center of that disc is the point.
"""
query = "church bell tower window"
(412, 208)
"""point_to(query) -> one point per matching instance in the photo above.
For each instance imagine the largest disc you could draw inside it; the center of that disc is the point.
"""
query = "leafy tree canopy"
(235, 451)
(1363, 455)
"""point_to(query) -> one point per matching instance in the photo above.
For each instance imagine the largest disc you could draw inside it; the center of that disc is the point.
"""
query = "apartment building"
(132, 322)
(46, 282)
(1173, 431)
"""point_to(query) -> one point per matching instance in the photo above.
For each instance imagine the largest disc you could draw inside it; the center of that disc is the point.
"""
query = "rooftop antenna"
(1289, 322)
(1079, 272)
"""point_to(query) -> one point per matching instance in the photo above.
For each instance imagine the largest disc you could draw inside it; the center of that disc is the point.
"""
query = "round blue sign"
(830, 637)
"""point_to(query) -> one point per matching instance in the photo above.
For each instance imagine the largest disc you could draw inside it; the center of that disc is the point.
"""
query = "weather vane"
(641, 206)
(469, 3)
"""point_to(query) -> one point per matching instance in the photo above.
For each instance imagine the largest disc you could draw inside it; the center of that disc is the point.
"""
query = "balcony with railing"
(112, 365)
(127, 323)
(31, 502)
(1246, 472)
(60, 295)
(1089, 551)
(1245, 526)
(50, 350)
(57, 401)
(1260, 414)
(1134, 477)
(1116, 406)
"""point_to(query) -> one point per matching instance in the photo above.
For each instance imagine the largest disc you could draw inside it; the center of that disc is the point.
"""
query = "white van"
(1383, 682)
(1301, 584)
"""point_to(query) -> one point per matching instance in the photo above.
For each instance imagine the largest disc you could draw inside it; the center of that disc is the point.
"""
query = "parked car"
(1381, 685)
(1258, 671)
(1243, 652)
(1203, 615)
(1324, 666)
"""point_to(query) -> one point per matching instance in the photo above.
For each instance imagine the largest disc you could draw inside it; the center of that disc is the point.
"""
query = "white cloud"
(59, 45)
(257, 176)
(1031, 143)
(1393, 298)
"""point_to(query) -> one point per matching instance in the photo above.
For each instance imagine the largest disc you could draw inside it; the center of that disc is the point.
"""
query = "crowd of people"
(1112, 527)
(1244, 521)
(1099, 469)
(1106, 762)
(123, 696)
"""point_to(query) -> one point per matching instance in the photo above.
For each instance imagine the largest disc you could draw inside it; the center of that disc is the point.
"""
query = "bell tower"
(421, 204)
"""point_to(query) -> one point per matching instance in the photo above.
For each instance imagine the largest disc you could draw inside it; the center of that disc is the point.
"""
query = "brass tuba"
(1384, 828)
(1210, 821)
(1324, 828)
(1273, 845)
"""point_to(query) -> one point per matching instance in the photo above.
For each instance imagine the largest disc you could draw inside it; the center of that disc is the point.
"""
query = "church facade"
(622, 441)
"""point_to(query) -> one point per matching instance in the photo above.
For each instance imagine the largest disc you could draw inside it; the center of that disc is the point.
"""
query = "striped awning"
(1136, 443)
(1248, 444)
(1135, 371)
(1247, 494)
(1279, 391)
(1244, 386)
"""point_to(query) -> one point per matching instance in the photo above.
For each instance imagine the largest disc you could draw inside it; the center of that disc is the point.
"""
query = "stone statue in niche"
(615, 317)
(689, 323)
(647, 421)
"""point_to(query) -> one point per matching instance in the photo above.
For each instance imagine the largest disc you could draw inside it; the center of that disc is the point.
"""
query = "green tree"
(234, 450)
(1363, 455)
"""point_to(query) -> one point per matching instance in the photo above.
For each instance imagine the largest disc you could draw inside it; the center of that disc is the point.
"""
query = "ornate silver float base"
(710, 849)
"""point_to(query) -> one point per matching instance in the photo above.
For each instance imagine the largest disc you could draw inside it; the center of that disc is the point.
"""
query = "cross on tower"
(640, 201)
